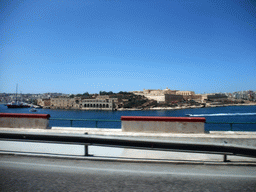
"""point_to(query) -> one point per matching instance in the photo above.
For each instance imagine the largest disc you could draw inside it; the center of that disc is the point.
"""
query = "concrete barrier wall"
(23, 120)
(163, 124)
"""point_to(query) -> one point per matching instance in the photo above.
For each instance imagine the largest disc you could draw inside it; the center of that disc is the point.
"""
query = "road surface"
(21, 173)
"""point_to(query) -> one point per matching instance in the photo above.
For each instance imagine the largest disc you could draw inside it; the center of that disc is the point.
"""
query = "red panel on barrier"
(25, 115)
(178, 119)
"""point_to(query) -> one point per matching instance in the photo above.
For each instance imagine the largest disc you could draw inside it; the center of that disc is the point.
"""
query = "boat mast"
(16, 92)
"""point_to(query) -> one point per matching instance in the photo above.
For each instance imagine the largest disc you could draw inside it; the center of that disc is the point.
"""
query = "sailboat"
(17, 104)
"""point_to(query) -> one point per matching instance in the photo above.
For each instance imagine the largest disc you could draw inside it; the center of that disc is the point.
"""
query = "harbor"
(220, 116)
(144, 129)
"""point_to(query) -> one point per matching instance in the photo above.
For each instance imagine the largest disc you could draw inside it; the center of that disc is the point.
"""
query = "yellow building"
(167, 95)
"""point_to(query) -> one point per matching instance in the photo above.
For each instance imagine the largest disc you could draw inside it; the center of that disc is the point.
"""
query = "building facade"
(63, 103)
(98, 103)
(45, 103)
(185, 93)
(166, 95)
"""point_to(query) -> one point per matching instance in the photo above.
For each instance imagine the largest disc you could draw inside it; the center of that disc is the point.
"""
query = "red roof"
(169, 119)
(25, 115)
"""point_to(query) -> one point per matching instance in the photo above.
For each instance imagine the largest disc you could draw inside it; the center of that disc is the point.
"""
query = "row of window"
(77, 101)
(97, 106)
(103, 101)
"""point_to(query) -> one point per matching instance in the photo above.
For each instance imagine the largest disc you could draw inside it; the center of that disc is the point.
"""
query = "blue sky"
(77, 46)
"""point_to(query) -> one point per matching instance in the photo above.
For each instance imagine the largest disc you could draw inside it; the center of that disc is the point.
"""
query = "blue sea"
(239, 114)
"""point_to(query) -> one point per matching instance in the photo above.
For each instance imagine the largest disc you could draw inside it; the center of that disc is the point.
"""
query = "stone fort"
(166, 95)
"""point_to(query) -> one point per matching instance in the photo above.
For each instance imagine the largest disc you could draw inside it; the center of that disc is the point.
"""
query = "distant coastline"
(168, 108)
(185, 107)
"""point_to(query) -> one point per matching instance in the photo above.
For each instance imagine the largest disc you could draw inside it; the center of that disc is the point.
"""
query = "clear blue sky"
(77, 46)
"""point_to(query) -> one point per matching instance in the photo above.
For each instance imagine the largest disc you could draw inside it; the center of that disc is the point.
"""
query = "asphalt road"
(20, 173)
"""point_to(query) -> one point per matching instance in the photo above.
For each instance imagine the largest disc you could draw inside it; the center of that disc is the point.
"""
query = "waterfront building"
(167, 95)
(97, 103)
(101, 102)
(45, 103)
(158, 95)
(65, 103)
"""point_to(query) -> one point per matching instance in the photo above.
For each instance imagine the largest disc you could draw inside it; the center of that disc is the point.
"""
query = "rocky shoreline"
(171, 108)
(186, 107)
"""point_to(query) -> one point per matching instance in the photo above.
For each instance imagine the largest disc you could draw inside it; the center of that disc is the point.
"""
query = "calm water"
(218, 114)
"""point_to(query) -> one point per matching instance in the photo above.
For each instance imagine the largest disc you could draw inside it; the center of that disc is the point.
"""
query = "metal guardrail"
(230, 123)
(108, 120)
(131, 143)
(96, 120)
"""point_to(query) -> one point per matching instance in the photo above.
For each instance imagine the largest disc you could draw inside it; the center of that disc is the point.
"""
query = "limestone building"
(44, 102)
(168, 95)
(165, 95)
(99, 103)
(63, 103)
(185, 93)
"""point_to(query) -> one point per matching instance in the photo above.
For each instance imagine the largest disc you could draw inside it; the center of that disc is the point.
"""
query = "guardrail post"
(96, 124)
(86, 153)
(231, 128)
(225, 158)
(71, 123)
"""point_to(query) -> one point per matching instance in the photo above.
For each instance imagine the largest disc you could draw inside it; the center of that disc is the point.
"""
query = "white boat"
(33, 110)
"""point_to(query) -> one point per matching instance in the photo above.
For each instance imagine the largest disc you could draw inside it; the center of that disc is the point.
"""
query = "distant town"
(148, 99)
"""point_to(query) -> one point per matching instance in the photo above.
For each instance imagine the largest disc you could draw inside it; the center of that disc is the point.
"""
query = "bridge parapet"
(23, 120)
(163, 124)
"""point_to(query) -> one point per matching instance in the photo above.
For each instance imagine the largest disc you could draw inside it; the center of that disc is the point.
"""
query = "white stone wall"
(32, 123)
(162, 127)
(163, 124)
(157, 98)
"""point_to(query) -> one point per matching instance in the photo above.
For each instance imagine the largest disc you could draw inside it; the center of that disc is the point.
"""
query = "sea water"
(229, 114)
